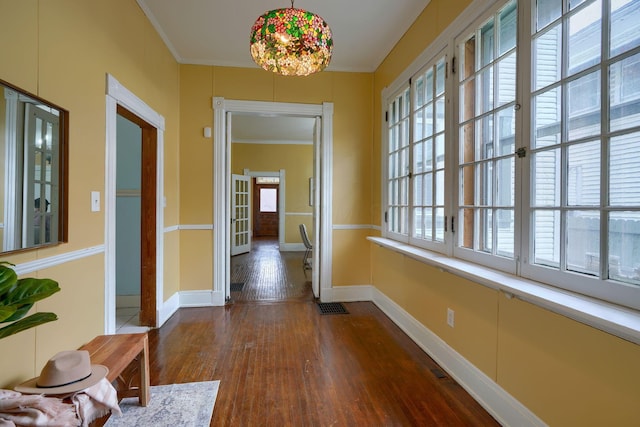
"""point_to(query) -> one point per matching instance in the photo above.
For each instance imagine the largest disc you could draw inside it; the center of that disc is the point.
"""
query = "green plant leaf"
(30, 290)
(8, 279)
(18, 312)
(6, 312)
(27, 323)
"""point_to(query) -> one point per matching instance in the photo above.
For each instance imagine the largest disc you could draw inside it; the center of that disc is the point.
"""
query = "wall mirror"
(33, 180)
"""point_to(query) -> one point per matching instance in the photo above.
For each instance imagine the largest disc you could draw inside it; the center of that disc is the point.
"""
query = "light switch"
(95, 201)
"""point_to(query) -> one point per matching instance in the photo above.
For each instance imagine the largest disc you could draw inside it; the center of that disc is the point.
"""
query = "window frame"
(388, 214)
(472, 29)
(602, 288)
(390, 95)
(616, 292)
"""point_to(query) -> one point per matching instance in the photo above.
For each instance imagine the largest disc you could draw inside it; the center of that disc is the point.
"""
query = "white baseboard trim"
(217, 297)
(169, 307)
(292, 247)
(500, 404)
(196, 299)
(201, 298)
(348, 293)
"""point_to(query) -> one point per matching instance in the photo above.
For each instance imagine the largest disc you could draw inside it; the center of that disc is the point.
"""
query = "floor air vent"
(237, 287)
(438, 373)
(332, 308)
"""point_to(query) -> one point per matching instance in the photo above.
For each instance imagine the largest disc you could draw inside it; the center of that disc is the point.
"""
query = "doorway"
(121, 101)
(136, 216)
(322, 187)
(265, 209)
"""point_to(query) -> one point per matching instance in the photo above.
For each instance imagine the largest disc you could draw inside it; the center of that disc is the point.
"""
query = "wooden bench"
(127, 357)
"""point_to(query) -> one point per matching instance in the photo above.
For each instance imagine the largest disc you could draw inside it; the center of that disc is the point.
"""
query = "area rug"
(188, 404)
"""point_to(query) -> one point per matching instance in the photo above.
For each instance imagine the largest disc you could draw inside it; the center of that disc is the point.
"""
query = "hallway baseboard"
(291, 247)
(201, 298)
(507, 410)
(353, 293)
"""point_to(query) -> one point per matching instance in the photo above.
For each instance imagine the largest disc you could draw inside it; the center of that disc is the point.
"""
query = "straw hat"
(66, 372)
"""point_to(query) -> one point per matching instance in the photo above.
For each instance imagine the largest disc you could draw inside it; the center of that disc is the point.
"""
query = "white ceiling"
(271, 130)
(216, 32)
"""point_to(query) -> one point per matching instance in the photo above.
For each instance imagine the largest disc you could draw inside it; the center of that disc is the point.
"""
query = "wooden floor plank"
(282, 363)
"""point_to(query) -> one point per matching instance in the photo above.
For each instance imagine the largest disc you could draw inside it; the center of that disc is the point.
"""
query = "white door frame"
(222, 171)
(282, 186)
(119, 95)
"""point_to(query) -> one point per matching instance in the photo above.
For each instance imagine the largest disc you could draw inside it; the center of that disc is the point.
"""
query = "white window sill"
(620, 321)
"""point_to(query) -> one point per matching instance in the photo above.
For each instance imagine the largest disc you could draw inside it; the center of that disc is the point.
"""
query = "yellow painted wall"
(297, 161)
(61, 50)
(428, 25)
(352, 98)
(567, 373)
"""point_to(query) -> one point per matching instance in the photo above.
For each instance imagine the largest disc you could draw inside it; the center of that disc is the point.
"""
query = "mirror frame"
(62, 167)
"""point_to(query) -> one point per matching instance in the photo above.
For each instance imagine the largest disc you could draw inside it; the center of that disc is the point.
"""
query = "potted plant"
(17, 296)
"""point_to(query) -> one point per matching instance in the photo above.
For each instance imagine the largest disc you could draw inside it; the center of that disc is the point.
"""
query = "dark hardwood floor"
(281, 362)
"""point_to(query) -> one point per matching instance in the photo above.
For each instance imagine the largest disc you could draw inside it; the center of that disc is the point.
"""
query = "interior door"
(265, 210)
(240, 214)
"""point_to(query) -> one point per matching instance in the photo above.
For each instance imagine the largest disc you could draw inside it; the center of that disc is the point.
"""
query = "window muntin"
(486, 144)
(398, 163)
(585, 194)
(580, 199)
(428, 148)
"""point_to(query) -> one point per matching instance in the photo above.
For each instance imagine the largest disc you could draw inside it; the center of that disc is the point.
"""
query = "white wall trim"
(222, 170)
(201, 298)
(167, 41)
(353, 226)
(195, 227)
(52, 261)
(117, 94)
(350, 293)
(323, 189)
(500, 404)
(291, 247)
(131, 102)
(323, 155)
(272, 141)
(169, 307)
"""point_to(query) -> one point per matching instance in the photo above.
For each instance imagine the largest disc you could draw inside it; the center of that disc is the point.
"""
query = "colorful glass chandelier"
(291, 42)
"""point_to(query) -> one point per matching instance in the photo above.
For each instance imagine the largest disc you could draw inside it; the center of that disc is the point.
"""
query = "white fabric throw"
(17, 409)
(36, 410)
(96, 401)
